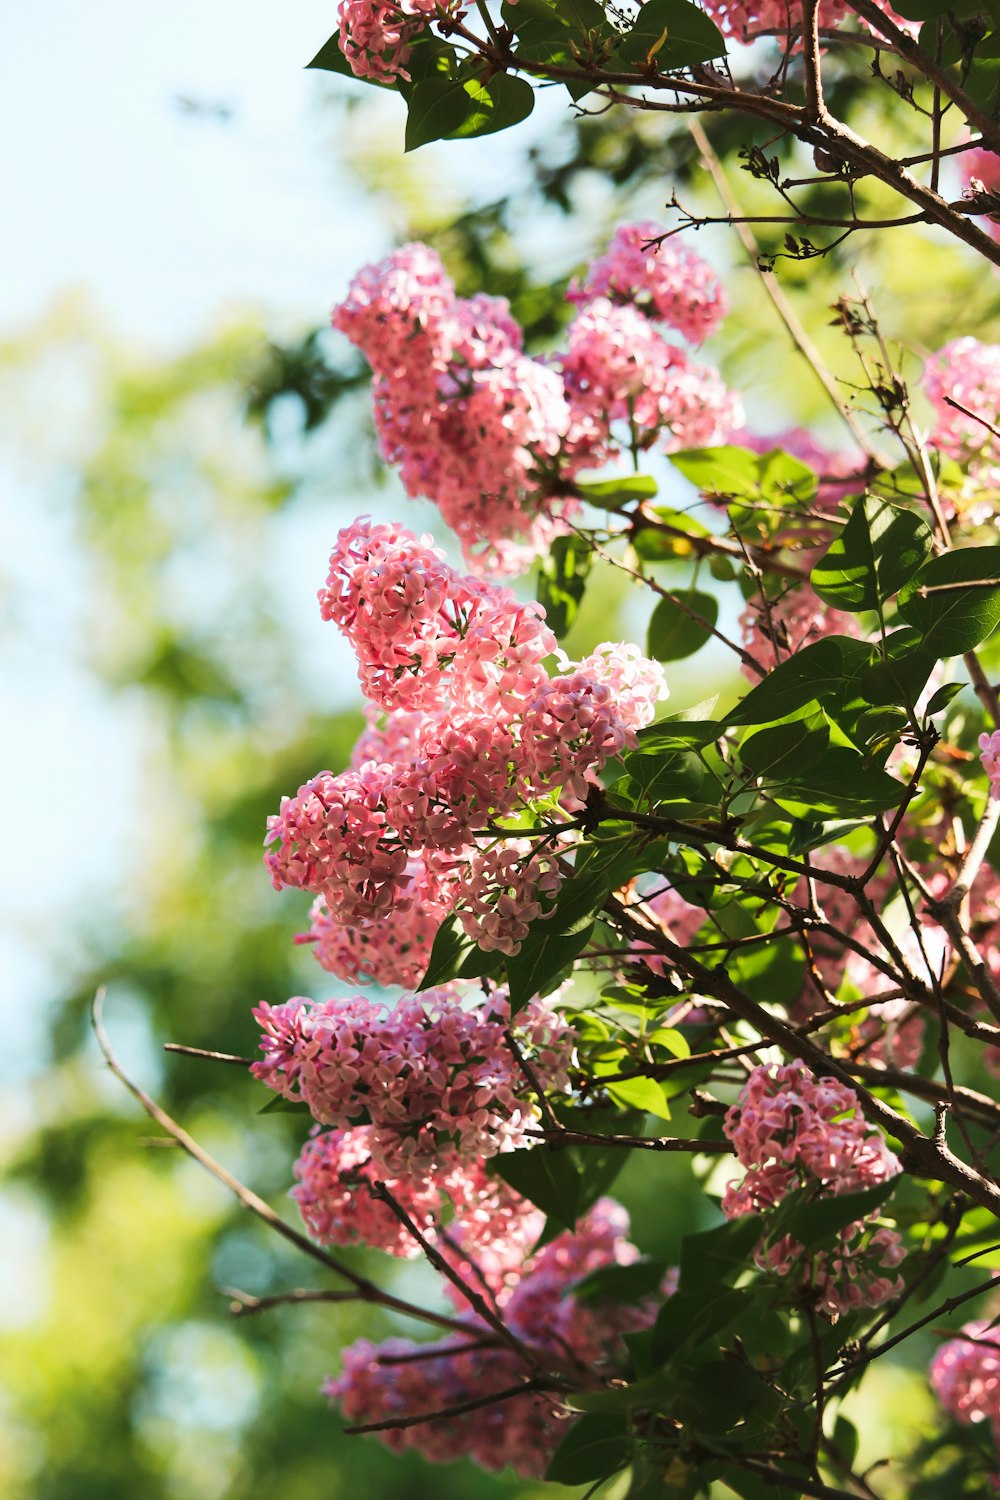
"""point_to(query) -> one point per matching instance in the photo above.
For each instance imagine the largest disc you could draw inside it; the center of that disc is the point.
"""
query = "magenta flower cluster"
(496, 438)
(792, 1130)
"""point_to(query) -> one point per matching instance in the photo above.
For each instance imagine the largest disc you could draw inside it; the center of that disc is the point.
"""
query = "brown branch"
(443, 1413)
(223, 1057)
(363, 1289)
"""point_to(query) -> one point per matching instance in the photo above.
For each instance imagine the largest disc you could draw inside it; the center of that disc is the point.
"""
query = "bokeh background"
(179, 441)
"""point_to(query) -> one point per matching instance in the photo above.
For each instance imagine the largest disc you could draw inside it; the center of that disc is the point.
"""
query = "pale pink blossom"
(748, 19)
(473, 1218)
(393, 951)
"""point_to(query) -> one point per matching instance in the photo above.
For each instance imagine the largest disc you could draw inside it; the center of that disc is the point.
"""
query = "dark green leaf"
(547, 1178)
(786, 750)
(455, 956)
(677, 776)
(826, 672)
(673, 634)
(437, 106)
(541, 960)
(671, 734)
(944, 695)
(501, 101)
(330, 59)
(685, 1319)
(580, 15)
(671, 34)
(810, 1220)
(562, 578)
(897, 677)
(923, 10)
(621, 1283)
(279, 1105)
(594, 1448)
(711, 1258)
(881, 547)
(954, 620)
(841, 785)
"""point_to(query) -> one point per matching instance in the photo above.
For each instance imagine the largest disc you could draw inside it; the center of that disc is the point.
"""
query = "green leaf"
(542, 959)
(641, 1093)
(944, 695)
(580, 15)
(673, 634)
(898, 676)
(629, 1283)
(594, 1448)
(826, 672)
(562, 579)
(617, 491)
(924, 10)
(279, 1105)
(786, 750)
(810, 1220)
(671, 34)
(330, 59)
(455, 956)
(735, 473)
(685, 1320)
(677, 734)
(955, 620)
(880, 547)
(437, 106)
(547, 1178)
(840, 785)
(497, 103)
(677, 776)
(714, 1256)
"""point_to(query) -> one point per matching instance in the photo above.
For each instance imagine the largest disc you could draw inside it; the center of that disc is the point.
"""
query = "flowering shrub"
(766, 931)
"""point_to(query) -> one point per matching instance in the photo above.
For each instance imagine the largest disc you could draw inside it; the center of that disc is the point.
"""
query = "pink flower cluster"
(965, 1375)
(628, 386)
(748, 19)
(470, 418)
(793, 1130)
(389, 952)
(377, 37)
(429, 1076)
(989, 747)
(662, 277)
(468, 1214)
(981, 169)
(473, 729)
(401, 1378)
(495, 437)
(968, 372)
